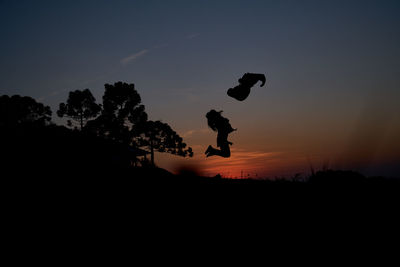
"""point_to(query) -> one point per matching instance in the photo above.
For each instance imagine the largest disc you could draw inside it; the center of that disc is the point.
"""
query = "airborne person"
(221, 125)
(248, 80)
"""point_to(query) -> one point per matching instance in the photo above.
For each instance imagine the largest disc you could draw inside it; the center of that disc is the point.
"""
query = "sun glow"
(242, 164)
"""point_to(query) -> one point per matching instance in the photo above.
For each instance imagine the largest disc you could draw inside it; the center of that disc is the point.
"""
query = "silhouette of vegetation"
(81, 106)
(122, 114)
(110, 146)
(123, 119)
(109, 138)
(158, 136)
(18, 110)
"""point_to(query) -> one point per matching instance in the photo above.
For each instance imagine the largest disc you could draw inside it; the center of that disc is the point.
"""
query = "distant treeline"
(114, 134)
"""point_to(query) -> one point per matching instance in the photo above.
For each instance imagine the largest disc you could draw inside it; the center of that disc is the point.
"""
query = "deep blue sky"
(326, 62)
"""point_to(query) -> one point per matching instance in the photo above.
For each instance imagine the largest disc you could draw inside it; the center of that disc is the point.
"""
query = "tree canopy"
(18, 110)
(81, 106)
(121, 122)
(122, 113)
(159, 136)
(124, 119)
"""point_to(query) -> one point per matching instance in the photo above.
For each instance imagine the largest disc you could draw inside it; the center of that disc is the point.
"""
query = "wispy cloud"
(190, 133)
(193, 35)
(130, 58)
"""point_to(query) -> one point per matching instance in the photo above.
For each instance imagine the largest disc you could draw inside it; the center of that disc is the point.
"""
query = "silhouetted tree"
(81, 106)
(18, 110)
(122, 113)
(123, 119)
(158, 136)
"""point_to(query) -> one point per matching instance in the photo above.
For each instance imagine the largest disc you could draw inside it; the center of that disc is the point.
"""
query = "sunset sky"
(332, 67)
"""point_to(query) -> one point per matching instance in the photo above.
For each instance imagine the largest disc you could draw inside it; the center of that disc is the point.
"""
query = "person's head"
(213, 117)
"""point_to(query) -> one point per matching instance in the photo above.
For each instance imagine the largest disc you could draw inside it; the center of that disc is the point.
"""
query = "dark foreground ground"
(155, 200)
(112, 181)
(56, 163)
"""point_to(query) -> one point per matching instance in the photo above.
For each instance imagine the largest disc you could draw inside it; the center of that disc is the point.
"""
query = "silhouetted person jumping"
(221, 125)
(248, 80)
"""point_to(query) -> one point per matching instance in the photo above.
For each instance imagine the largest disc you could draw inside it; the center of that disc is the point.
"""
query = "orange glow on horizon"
(252, 164)
(241, 164)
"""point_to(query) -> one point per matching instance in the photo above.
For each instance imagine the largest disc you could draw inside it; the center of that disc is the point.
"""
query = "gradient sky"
(332, 67)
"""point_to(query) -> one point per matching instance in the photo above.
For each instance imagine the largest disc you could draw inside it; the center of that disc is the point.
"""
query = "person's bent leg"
(225, 150)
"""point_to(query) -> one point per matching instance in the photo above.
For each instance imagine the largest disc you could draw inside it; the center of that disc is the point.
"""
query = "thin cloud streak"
(192, 36)
(133, 57)
(193, 132)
